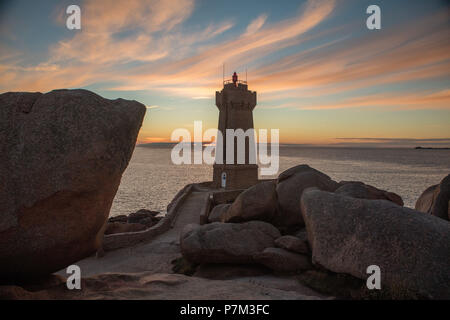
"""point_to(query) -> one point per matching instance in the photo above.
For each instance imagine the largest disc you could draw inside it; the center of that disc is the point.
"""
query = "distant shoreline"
(338, 146)
(428, 148)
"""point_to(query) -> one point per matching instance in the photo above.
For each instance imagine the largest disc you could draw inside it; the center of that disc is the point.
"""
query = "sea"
(151, 180)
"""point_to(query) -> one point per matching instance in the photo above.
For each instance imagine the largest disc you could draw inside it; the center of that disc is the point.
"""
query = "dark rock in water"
(136, 221)
(347, 235)
(122, 227)
(144, 217)
(119, 218)
(230, 271)
(290, 186)
(218, 212)
(357, 189)
(293, 244)
(282, 260)
(137, 216)
(62, 155)
(150, 221)
(226, 242)
(258, 202)
(435, 200)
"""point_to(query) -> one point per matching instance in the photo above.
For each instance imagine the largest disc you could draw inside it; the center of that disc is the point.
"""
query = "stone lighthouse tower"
(236, 104)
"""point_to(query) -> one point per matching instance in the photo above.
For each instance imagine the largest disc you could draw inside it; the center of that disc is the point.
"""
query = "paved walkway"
(154, 256)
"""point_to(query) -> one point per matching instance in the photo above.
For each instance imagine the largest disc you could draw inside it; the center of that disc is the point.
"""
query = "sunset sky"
(322, 77)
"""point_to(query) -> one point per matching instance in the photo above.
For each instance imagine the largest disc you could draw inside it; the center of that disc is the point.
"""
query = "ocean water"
(151, 180)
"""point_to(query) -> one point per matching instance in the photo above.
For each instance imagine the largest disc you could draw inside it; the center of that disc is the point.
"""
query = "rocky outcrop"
(143, 215)
(62, 155)
(282, 260)
(301, 168)
(293, 244)
(226, 242)
(278, 202)
(302, 235)
(158, 286)
(258, 202)
(218, 212)
(357, 189)
(290, 186)
(134, 222)
(120, 218)
(435, 200)
(347, 235)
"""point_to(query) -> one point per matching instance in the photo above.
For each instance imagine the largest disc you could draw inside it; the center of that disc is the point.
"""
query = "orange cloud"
(418, 100)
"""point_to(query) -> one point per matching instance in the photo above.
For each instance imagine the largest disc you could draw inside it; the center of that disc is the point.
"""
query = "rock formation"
(282, 260)
(62, 155)
(258, 202)
(226, 242)
(292, 244)
(290, 186)
(347, 235)
(218, 212)
(357, 189)
(278, 202)
(158, 286)
(435, 200)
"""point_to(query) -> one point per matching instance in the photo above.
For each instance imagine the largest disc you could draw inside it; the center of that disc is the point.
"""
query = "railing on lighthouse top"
(235, 80)
(231, 81)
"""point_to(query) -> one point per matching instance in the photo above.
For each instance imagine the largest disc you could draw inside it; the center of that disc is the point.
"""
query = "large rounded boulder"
(218, 212)
(219, 242)
(282, 260)
(290, 186)
(62, 155)
(258, 202)
(357, 189)
(435, 200)
(347, 235)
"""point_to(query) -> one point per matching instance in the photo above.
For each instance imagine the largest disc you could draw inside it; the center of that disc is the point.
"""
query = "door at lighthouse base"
(223, 183)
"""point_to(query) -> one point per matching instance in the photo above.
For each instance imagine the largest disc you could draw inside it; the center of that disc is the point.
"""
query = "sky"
(321, 76)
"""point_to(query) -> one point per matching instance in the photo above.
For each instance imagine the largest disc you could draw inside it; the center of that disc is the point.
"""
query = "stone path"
(154, 256)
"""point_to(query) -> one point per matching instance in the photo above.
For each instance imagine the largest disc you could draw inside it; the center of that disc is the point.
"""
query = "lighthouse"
(235, 103)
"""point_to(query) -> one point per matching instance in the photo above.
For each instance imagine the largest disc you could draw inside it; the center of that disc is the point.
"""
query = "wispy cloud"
(256, 24)
(398, 100)
(202, 97)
